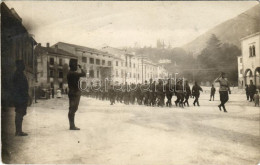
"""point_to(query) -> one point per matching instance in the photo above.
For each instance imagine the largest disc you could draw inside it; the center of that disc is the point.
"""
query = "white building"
(250, 46)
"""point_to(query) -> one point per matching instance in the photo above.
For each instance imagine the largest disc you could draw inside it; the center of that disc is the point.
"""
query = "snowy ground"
(134, 134)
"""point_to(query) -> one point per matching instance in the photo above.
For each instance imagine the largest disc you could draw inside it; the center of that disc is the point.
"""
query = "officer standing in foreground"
(223, 90)
(21, 97)
(74, 92)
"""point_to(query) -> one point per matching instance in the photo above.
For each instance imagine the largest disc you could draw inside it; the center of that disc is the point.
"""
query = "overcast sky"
(94, 24)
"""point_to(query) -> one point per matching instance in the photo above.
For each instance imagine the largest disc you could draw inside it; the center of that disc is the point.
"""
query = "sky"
(124, 24)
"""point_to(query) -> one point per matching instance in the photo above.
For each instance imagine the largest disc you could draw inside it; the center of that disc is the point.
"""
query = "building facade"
(240, 72)
(250, 46)
(52, 67)
(17, 44)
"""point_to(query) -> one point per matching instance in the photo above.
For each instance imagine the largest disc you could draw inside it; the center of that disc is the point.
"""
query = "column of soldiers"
(148, 93)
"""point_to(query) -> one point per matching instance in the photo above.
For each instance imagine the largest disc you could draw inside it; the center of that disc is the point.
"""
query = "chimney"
(47, 44)
(56, 48)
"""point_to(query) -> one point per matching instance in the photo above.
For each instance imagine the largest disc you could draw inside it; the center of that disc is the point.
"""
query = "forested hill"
(230, 31)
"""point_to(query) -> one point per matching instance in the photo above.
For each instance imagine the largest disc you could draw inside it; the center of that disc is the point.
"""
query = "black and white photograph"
(130, 82)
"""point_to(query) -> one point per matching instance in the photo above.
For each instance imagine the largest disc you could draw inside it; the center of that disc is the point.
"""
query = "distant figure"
(196, 92)
(21, 97)
(187, 93)
(74, 92)
(247, 92)
(251, 90)
(52, 92)
(212, 92)
(223, 90)
(256, 98)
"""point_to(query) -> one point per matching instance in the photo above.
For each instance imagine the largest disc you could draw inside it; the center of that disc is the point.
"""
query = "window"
(97, 73)
(51, 61)
(84, 59)
(60, 74)
(103, 62)
(122, 73)
(98, 61)
(91, 73)
(51, 73)
(91, 60)
(109, 63)
(60, 62)
(116, 73)
(241, 60)
(122, 64)
(253, 50)
(241, 71)
(116, 63)
(134, 75)
(134, 65)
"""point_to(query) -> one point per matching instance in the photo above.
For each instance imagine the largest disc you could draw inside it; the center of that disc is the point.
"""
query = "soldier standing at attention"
(21, 97)
(196, 90)
(74, 92)
(212, 92)
(223, 90)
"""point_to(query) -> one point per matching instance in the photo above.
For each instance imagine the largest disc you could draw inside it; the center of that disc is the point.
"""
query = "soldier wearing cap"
(223, 90)
(187, 93)
(74, 92)
(179, 93)
(21, 96)
(196, 92)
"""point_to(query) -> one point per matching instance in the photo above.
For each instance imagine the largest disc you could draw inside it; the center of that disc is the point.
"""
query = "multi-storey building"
(97, 64)
(250, 46)
(52, 67)
(17, 44)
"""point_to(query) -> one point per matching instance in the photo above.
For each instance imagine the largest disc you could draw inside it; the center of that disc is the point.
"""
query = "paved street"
(136, 134)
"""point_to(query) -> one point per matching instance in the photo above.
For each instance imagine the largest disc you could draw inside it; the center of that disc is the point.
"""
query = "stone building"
(250, 46)
(52, 67)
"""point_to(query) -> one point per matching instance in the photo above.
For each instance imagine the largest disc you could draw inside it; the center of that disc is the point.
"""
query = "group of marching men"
(149, 94)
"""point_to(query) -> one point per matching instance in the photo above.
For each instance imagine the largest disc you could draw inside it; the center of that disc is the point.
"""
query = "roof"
(249, 36)
(83, 48)
(41, 49)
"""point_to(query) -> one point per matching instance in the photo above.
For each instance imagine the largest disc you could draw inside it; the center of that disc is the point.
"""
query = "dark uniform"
(196, 92)
(169, 93)
(74, 91)
(247, 92)
(152, 94)
(21, 96)
(187, 93)
(179, 91)
(251, 90)
(160, 94)
(112, 95)
(212, 92)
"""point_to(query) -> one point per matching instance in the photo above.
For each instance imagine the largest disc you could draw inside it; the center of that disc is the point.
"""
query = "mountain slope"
(230, 31)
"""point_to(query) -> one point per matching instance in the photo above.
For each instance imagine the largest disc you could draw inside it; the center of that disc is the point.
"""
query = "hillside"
(230, 31)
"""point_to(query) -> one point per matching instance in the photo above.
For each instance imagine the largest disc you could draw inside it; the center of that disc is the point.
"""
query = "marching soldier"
(223, 90)
(152, 94)
(187, 93)
(169, 93)
(74, 93)
(160, 93)
(196, 92)
(179, 93)
(112, 95)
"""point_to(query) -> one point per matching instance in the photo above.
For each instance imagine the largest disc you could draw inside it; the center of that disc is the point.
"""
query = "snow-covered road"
(135, 134)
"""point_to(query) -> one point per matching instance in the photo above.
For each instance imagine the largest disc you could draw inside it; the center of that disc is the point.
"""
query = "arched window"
(253, 50)
(250, 51)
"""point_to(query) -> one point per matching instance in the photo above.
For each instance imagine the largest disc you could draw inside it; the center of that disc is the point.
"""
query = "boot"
(188, 104)
(224, 108)
(219, 106)
(198, 103)
(18, 126)
(71, 121)
(194, 103)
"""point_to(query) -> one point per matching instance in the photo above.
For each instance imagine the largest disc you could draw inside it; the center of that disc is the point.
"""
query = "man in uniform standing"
(74, 92)
(223, 90)
(251, 90)
(212, 92)
(196, 91)
(21, 97)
